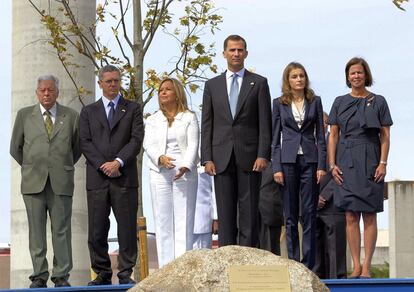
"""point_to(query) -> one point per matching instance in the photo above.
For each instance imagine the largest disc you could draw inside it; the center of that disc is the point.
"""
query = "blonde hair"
(287, 95)
(180, 95)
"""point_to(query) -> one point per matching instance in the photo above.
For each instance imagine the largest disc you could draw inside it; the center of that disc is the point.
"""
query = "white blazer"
(187, 131)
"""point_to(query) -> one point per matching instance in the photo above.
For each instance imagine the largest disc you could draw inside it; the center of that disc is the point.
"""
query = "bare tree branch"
(131, 45)
(150, 30)
(122, 50)
(86, 44)
(157, 23)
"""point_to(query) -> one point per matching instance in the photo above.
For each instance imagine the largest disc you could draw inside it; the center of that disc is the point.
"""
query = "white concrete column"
(32, 57)
(401, 229)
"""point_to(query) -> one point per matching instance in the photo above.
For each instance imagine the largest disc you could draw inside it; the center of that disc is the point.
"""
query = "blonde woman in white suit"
(171, 144)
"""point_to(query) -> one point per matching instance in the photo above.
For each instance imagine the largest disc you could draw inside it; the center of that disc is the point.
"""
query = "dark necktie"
(111, 114)
(234, 94)
(48, 124)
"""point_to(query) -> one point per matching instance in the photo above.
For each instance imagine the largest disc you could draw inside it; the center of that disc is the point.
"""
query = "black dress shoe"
(126, 281)
(61, 282)
(38, 283)
(100, 281)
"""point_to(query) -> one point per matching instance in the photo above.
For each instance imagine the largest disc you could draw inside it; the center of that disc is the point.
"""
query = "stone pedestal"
(401, 230)
(208, 270)
(32, 57)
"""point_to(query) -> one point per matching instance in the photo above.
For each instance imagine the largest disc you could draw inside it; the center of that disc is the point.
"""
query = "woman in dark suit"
(298, 158)
(359, 143)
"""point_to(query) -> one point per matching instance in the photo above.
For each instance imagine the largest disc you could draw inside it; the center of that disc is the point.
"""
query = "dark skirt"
(358, 160)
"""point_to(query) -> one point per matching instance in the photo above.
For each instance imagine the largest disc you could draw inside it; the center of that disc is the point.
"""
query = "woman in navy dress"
(298, 158)
(358, 149)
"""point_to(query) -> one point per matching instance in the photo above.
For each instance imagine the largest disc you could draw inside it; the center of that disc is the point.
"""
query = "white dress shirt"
(229, 79)
(52, 112)
(107, 108)
(107, 101)
(299, 117)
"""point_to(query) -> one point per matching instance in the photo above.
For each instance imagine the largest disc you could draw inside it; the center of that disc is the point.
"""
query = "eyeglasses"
(116, 81)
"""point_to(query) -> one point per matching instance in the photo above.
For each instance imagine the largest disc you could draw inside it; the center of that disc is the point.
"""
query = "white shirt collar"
(52, 110)
(229, 74)
(106, 101)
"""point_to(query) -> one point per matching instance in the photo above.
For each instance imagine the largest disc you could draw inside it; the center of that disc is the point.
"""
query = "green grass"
(382, 271)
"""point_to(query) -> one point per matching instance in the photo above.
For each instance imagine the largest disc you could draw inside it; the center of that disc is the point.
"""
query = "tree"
(190, 64)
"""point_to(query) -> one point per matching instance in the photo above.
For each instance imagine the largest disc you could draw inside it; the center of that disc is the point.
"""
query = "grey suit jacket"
(248, 134)
(40, 157)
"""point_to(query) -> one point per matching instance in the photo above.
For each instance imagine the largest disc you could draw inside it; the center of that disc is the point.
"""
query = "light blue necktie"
(234, 94)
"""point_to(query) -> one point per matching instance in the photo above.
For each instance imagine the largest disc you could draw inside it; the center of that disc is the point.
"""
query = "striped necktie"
(48, 124)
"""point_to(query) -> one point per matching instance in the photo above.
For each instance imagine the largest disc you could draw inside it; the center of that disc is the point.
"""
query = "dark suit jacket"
(100, 144)
(310, 136)
(270, 200)
(248, 134)
(327, 187)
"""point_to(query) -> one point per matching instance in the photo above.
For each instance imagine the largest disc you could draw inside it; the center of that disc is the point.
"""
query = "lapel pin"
(123, 110)
(251, 83)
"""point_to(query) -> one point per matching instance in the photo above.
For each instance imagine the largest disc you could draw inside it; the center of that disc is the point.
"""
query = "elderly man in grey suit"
(45, 142)
(235, 143)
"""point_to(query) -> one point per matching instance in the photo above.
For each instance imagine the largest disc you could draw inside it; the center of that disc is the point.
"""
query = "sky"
(321, 34)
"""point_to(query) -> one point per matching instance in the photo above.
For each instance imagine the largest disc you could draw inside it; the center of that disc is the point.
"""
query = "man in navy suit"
(111, 134)
(235, 143)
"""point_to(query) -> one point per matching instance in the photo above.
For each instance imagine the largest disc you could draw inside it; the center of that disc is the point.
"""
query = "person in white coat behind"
(205, 212)
(171, 144)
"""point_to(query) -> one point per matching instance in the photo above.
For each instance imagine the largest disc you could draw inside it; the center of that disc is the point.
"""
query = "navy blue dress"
(358, 150)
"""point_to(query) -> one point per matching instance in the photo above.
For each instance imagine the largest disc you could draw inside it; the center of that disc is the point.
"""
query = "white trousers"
(202, 240)
(173, 206)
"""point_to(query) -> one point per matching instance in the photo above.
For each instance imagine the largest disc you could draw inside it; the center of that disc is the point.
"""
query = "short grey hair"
(48, 77)
(107, 68)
